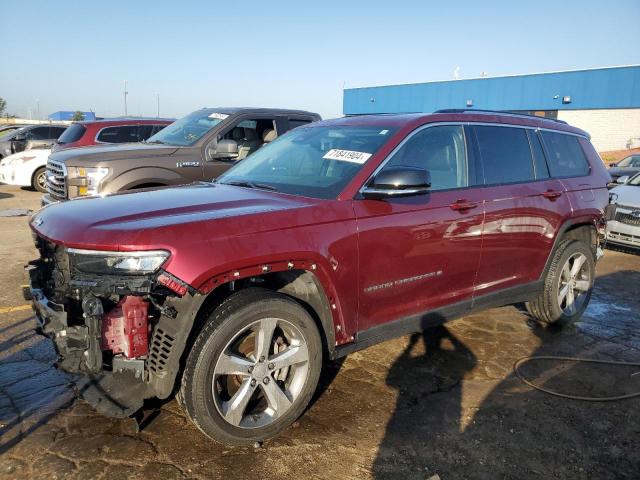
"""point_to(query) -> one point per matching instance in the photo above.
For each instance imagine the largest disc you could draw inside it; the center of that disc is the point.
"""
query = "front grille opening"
(160, 350)
(627, 219)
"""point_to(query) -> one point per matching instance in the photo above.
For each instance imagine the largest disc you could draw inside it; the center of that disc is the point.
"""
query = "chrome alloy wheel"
(41, 180)
(260, 373)
(575, 281)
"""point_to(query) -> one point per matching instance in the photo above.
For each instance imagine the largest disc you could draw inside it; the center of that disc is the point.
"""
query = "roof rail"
(499, 112)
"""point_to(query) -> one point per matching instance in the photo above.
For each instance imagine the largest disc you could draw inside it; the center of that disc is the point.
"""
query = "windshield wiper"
(245, 183)
(158, 142)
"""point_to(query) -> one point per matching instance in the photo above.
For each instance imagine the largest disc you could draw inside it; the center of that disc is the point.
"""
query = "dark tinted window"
(144, 132)
(72, 134)
(506, 155)
(38, 133)
(120, 134)
(566, 158)
(293, 123)
(56, 132)
(157, 128)
(441, 151)
(542, 171)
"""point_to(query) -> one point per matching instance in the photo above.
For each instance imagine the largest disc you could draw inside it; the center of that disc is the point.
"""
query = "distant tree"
(3, 105)
(78, 116)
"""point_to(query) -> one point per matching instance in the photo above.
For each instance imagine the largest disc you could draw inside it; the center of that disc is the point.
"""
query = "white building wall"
(609, 129)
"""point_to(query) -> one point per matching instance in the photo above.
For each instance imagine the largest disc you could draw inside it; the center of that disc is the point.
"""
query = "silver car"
(624, 229)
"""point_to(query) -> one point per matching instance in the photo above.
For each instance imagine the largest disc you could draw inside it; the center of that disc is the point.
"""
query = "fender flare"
(315, 271)
(585, 221)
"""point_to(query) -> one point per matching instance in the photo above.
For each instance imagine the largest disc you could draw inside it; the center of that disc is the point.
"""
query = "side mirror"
(398, 182)
(623, 179)
(223, 150)
(21, 137)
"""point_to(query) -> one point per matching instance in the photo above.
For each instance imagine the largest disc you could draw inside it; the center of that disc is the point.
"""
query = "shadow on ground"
(509, 430)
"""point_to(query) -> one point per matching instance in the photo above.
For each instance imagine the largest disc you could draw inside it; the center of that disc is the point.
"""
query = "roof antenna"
(456, 73)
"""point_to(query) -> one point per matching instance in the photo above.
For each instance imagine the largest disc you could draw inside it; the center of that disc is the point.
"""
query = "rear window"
(72, 134)
(565, 155)
(506, 155)
(119, 134)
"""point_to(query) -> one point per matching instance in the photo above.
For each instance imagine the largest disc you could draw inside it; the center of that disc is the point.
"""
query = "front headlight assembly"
(91, 178)
(117, 263)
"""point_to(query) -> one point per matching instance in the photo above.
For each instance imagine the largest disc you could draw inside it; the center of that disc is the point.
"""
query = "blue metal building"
(64, 115)
(613, 87)
(603, 101)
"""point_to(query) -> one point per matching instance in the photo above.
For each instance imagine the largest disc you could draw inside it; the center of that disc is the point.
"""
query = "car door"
(524, 207)
(420, 253)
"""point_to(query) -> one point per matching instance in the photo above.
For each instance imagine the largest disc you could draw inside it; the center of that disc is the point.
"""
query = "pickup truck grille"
(628, 218)
(628, 215)
(56, 179)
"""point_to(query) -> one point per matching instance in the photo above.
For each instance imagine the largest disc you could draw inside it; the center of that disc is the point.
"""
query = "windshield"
(8, 131)
(635, 180)
(314, 162)
(188, 130)
(632, 161)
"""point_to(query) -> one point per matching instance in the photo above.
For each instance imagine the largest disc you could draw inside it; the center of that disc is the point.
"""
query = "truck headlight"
(117, 263)
(92, 176)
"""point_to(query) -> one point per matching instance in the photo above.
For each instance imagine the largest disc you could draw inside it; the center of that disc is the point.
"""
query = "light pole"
(125, 93)
(158, 103)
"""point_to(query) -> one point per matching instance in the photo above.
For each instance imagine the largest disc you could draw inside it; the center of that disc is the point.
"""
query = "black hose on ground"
(524, 360)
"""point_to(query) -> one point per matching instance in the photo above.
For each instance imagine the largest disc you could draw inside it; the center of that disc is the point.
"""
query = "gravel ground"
(444, 403)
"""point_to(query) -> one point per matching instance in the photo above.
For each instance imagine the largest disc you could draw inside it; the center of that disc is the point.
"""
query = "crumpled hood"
(99, 153)
(148, 219)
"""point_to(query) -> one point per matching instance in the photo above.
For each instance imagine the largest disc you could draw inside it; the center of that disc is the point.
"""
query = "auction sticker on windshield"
(347, 155)
(219, 116)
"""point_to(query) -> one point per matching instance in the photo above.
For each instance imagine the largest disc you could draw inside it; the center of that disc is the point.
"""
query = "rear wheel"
(39, 180)
(568, 284)
(253, 368)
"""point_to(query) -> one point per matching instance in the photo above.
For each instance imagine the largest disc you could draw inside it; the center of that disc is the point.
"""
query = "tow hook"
(92, 312)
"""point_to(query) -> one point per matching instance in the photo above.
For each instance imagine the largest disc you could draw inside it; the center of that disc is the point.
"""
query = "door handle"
(463, 205)
(552, 194)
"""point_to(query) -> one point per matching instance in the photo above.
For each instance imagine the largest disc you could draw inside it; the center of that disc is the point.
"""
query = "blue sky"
(69, 55)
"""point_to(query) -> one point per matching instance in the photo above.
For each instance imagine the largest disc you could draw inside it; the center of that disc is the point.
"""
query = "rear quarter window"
(565, 155)
(506, 154)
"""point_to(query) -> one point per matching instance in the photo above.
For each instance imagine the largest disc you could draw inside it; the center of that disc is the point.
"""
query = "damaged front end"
(114, 317)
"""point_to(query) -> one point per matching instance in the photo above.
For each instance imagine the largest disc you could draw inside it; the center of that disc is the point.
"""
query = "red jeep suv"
(337, 235)
(115, 130)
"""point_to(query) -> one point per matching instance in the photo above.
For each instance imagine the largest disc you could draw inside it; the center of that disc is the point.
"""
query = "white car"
(26, 169)
(624, 229)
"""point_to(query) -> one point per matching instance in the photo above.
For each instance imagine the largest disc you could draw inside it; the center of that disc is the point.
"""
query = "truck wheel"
(253, 368)
(567, 285)
(39, 180)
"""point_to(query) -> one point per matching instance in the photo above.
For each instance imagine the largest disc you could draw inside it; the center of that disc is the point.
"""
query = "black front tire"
(231, 317)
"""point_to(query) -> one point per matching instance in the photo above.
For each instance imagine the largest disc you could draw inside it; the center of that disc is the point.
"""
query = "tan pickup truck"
(200, 146)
